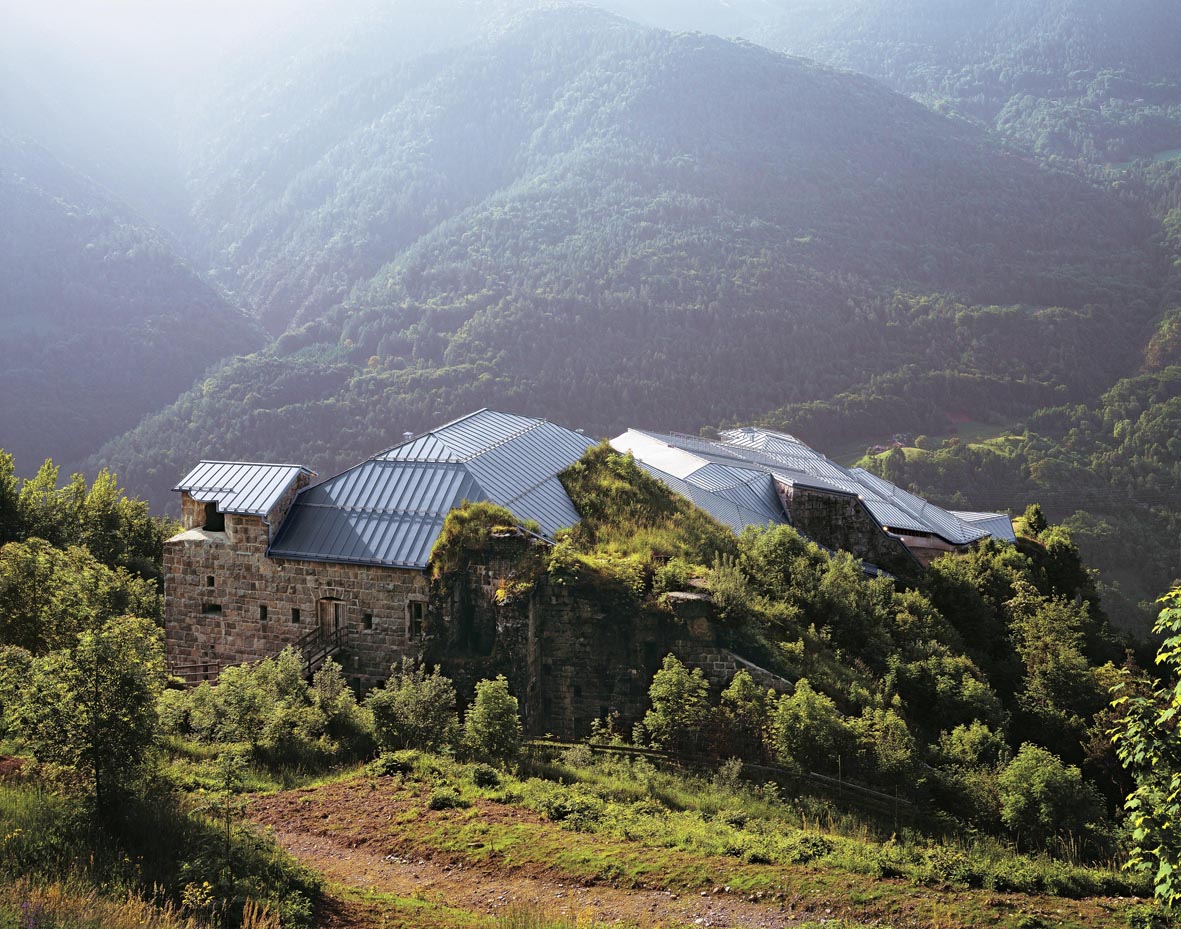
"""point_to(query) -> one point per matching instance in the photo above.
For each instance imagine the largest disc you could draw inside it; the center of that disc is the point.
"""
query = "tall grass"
(73, 904)
(531, 917)
(154, 847)
(633, 800)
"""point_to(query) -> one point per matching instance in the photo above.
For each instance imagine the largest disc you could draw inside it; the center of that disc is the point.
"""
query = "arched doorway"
(330, 613)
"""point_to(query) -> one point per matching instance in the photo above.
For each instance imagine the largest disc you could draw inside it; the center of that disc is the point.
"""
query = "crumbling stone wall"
(573, 652)
(222, 621)
(842, 522)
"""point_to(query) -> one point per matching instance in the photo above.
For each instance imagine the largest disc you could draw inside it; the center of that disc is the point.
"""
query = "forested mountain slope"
(1095, 80)
(613, 225)
(100, 321)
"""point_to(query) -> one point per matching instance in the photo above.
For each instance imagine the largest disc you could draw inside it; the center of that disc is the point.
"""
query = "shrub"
(944, 863)
(807, 846)
(680, 713)
(485, 776)
(1147, 916)
(1015, 875)
(92, 708)
(729, 774)
(447, 799)
(388, 764)
(414, 709)
(578, 756)
(492, 727)
(974, 745)
(730, 589)
(674, 574)
(1044, 801)
(575, 806)
(807, 730)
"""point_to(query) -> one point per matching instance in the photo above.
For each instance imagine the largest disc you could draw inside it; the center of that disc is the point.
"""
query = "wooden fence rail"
(197, 673)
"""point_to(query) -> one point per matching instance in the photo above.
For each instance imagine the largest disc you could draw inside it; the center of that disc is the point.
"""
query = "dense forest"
(1076, 81)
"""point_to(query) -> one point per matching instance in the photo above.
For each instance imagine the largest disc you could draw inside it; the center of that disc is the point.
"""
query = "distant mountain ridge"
(1084, 80)
(100, 320)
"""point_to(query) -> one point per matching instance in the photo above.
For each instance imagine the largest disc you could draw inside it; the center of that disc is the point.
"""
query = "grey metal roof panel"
(250, 488)
(752, 491)
(746, 510)
(518, 463)
(924, 516)
(428, 447)
(997, 525)
(794, 463)
(547, 504)
(390, 510)
(378, 512)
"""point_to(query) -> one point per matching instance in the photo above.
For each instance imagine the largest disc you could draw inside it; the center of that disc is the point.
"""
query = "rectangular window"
(209, 580)
(262, 613)
(295, 614)
(415, 612)
(367, 621)
(211, 609)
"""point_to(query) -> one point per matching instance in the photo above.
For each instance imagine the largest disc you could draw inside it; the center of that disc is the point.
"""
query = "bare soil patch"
(371, 839)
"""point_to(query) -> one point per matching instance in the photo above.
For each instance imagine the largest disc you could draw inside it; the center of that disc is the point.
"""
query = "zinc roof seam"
(431, 432)
(256, 486)
(496, 443)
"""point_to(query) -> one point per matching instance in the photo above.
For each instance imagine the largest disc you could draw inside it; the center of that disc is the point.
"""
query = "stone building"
(268, 559)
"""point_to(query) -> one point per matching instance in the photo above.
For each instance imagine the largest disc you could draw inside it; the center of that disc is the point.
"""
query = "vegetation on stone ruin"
(467, 529)
(624, 510)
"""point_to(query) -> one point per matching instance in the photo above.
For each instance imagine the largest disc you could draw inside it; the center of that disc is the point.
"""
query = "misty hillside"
(1096, 80)
(100, 320)
(613, 225)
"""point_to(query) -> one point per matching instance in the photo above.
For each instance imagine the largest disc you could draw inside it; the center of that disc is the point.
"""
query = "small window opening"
(367, 621)
(415, 610)
(262, 613)
(211, 609)
(209, 580)
(214, 521)
(295, 614)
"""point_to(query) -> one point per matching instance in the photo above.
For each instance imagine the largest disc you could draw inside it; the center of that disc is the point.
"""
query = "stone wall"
(572, 652)
(216, 584)
(842, 521)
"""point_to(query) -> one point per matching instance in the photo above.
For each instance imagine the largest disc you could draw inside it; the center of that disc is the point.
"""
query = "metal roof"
(390, 509)
(240, 486)
(693, 461)
(998, 525)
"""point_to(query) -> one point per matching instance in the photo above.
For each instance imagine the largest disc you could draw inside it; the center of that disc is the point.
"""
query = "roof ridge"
(414, 438)
(255, 464)
(533, 424)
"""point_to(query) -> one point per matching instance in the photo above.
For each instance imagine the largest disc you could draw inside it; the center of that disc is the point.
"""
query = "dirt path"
(385, 853)
(479, 891)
